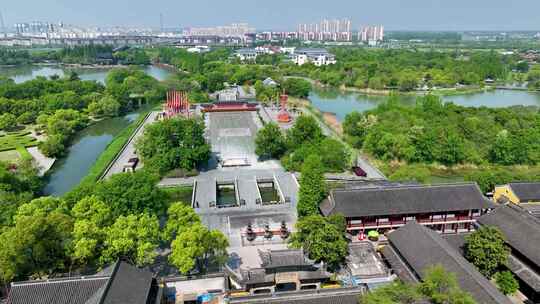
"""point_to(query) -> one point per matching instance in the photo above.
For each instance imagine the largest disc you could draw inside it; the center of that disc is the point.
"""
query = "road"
(129, 150)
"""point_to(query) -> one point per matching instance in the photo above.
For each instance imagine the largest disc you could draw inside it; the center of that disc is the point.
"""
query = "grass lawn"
(13, 145)
(10, 156)
(12, 140)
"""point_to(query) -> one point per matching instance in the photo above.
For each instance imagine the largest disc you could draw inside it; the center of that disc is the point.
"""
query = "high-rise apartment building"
(326, 30)
(371, 33)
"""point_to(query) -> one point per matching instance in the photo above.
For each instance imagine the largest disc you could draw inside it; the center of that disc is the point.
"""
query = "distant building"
(517, 193)
(522, 235)
(414, 248)
(250, 54)
(119, 283)
(234, 93)
(233, 30)
(318, 57)
(448, 208)
(371, 34)
(326, 30)
(199, 49)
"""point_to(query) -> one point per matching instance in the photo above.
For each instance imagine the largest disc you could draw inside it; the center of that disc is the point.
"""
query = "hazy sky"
(283, 14)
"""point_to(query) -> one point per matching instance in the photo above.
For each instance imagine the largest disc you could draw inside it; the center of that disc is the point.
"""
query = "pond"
(24, 73)
(86, 148)
(342, 103)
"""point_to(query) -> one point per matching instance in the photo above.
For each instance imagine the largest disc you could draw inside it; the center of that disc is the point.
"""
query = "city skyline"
(421, 15)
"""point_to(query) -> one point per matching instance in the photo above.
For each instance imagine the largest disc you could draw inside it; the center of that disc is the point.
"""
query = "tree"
(334, 155)
(270, 141)
(8, 121)
(322, 238)
(197, 247)
(36, 245)
(506, 282)
(92, 216)
(53, 146)
(106, 106)
(503, 151)
(180, 217)
(313, 187)
(485, 248)
(133, 237)
(173, 143)
(297, 87)
(396, 292)
(131, 193)
(305, 130)
(441, 287)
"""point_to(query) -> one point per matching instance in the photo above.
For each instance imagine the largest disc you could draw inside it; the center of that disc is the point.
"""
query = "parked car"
(359, 171)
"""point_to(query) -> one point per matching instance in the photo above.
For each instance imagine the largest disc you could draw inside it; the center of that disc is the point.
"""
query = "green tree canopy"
(132, 237)
(131, 193)
(270, 142)
(486, 249)
(305, 130)
(198, 247)
(180, 217)
(441, 287)
(322, 238)
(313, 187)
(173, 143)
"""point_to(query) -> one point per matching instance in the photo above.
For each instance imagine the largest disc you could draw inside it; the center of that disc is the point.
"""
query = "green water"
(342, 103)
(86, 148)
(226, 196)
(269, 194)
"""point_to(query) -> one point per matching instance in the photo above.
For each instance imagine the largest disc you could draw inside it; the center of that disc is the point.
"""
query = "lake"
(342, 103)
(24, 73)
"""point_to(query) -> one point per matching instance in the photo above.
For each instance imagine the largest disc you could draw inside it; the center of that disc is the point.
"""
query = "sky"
(434, 15)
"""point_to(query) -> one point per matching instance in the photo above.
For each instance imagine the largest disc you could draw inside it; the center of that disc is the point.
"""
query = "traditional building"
(276, 271)
(447, 208)
(415, 248)
(517, 193)
(522, 232)
(119, 283)
(365, 266)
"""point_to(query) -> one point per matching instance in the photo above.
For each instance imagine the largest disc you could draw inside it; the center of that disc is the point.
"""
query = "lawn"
(12, 140)
(10, 156)
(13, 145)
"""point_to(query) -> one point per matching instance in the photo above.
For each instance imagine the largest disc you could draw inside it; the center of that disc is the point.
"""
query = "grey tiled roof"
(283, 258)
(121, 283)
(421, 248)
(322, 299)
(522, 230)
(405, 200)
(59, 291)
(526, 191)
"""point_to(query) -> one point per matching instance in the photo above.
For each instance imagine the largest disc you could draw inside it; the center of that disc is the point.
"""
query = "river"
(86, 148)
(342, 103)
(88, 144)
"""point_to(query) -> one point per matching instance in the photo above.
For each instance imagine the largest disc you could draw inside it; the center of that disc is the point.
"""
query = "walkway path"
(43, 162)
(128, 152)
